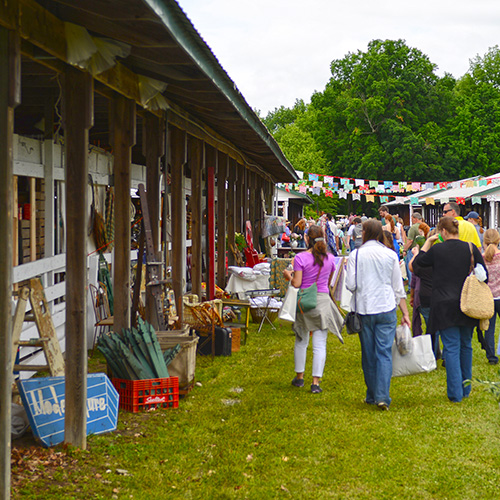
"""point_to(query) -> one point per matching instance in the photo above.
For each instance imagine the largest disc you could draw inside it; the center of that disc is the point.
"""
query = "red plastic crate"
(141, 395)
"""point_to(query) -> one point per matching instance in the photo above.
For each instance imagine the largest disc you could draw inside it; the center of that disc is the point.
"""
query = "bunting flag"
(330, 185)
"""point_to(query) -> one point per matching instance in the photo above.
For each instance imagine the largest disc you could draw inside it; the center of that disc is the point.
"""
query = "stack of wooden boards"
(136, 354)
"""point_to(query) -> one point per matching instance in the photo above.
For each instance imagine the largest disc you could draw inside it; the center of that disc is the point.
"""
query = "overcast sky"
(277, 51)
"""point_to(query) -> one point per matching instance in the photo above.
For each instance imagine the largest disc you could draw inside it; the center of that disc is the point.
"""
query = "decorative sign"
(44, 401)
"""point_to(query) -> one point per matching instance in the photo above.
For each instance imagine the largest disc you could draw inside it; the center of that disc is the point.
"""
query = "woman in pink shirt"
(314, 265)
(491, 257)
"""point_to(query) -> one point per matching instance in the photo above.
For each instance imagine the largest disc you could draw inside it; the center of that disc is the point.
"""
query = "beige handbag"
(476, 300)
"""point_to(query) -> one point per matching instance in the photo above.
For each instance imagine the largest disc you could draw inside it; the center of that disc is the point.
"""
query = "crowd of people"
(386, 263)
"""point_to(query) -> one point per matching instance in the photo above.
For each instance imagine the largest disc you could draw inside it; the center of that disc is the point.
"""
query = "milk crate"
(143, 395)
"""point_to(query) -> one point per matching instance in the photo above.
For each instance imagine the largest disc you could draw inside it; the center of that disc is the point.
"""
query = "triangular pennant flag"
(443, 185)
(373, 184)
(460, 200)
(313, 177)
(302, 189)
(316, 190)
(318, 184)
(469, 184)
(415, 186)
(342, 194)
(328, 193)
(384, 199)
(370, 198)
(388, 184)
(359, 182)
(476, 200)
(430, 201)
(413, 200)
(483, 182)
(356, 197)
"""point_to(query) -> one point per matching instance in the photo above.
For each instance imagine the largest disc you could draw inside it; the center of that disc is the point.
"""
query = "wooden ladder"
(47, 340)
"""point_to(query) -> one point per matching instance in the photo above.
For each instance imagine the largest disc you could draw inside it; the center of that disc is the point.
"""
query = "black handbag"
(352, 321)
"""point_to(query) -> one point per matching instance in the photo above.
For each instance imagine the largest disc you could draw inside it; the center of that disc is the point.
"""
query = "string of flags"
(399, 190)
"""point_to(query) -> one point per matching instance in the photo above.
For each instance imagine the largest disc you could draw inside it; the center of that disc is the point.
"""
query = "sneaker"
(298, 382)
(382, 405)
(316, 389)
(493, 361)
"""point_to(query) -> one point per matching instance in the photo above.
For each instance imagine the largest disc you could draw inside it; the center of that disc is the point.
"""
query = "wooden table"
(284, 252)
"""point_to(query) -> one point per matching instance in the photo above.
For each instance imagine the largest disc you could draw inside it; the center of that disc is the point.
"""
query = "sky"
(278, 51)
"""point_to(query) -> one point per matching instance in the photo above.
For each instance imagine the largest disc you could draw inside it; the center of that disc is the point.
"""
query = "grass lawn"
(248, 433)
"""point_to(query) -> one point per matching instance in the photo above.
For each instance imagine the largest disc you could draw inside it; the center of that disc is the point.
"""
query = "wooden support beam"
(78, 119)
(15, 221)
(231, 220)
(221, 219)
(245, 195)
(153, 150)
(9, 98)
(211, 165)
(178, 158)
(195, 159)
(33, 218)
(239, 201)
(123, 132)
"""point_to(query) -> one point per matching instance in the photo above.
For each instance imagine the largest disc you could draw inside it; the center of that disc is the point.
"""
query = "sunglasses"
(446, 211)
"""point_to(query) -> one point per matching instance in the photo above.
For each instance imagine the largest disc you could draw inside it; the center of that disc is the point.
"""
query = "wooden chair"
(104, 320)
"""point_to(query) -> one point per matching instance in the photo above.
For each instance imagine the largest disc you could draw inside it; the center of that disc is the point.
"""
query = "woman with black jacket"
(450, 262)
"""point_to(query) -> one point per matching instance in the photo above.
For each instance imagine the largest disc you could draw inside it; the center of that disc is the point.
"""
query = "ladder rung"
(154, 263)
(33, 342)
(31, 368)
(29, 317)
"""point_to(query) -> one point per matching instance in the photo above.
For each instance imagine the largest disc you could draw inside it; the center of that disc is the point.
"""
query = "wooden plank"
(123, 128)
(178, 215)
(211, 165)
(195, 158)
(15, 222)
(221, 219)
(78, 118)
(46, 328)
(17, 324)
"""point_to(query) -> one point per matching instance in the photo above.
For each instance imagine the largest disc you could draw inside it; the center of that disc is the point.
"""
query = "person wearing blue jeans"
(374, 278)
(457, 351)
(451, 262)
(377, 337)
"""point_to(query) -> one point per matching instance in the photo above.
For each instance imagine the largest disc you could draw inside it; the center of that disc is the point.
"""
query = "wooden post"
(211, 163)
(195, 158)
(15, 221)
(9, 97)
(48, 173)
(221, 220)
(33, 219)
(245, 195)
(78, 118)
(178, 156)
(153, 150)
(231, 225)
(123, 128)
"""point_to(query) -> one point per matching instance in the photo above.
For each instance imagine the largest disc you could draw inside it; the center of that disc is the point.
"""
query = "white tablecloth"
(239, 286)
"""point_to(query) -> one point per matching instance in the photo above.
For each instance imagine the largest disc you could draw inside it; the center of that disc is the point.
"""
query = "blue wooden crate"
(44, 401)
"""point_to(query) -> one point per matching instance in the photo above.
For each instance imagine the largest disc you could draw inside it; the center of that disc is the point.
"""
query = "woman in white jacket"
(377, 286)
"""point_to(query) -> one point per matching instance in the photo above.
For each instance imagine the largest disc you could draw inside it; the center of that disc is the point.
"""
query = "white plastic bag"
(289, 307)
(420, 360)
(404, 340)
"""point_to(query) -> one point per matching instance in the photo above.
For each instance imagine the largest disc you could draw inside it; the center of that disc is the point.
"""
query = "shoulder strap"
(471, 258)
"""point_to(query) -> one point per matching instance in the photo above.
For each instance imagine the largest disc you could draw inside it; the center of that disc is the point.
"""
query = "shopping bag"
(404, 340)
(289, 308)
(420, 360)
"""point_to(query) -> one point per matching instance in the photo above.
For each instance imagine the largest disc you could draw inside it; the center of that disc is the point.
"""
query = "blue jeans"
(426, 312)
(488, 339)
(376, 337)
(457, 352)
(409, 256)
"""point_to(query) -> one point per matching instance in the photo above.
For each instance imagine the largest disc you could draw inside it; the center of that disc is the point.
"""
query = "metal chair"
(104, 320)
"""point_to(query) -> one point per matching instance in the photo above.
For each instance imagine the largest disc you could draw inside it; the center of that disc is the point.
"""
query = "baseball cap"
(472, 215)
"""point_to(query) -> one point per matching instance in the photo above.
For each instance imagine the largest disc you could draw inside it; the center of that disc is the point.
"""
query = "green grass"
(247, 433)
